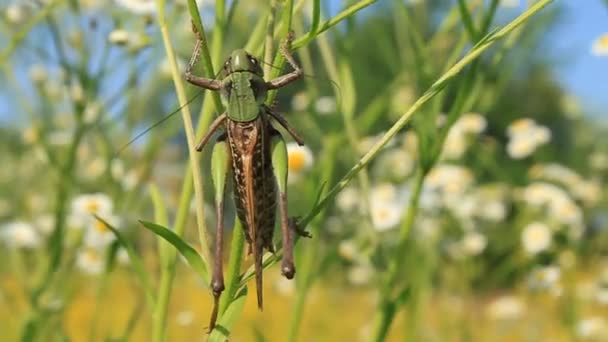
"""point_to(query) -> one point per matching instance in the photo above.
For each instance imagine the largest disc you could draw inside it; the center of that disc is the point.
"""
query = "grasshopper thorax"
(243, 89)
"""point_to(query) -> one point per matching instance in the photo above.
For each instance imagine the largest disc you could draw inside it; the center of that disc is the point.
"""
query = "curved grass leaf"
(136, 262)
(224, 325)
(194, 259)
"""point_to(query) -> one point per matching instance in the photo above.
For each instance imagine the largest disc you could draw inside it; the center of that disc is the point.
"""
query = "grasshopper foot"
(293, 224)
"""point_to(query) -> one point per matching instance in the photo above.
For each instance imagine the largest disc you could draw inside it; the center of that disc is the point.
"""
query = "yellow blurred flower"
(600, 45)
(300, 159)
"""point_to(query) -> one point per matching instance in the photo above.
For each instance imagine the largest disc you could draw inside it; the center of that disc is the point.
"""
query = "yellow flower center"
(92, 207)
(100, 227)
(603, 41)
(296, 161)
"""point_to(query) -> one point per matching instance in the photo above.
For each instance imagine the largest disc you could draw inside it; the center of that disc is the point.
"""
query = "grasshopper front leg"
(220, 165)
(292, 76)
(203, 82)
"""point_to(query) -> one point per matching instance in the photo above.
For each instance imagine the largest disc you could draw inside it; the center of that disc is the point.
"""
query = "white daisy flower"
(185, 318)
(386, 215)
(506, 308)
(139, 7)
(544, 278)
(20, 234)
(594, 327)
(325, 105)
(525, 136)
(300, 159)
(90, 261)
(98, 235)
(509, 3)
(284, 286)
(348, 199)
(473, 243)
(349, 250)
(360, 274)
(536, 237)
(38, 73)
(89, 204)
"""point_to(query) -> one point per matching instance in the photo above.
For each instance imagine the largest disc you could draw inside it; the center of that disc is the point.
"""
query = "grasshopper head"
(240, 60)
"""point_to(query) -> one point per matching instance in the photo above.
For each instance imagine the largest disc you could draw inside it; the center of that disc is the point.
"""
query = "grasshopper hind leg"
(288, 225)
(220, 167)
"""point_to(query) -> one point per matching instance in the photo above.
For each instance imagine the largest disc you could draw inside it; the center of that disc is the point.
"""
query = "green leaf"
(194, 259)
(222, 329)
(135, 261)
(349, 95)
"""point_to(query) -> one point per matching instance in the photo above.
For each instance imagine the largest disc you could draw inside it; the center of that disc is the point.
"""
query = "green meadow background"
(455, 191)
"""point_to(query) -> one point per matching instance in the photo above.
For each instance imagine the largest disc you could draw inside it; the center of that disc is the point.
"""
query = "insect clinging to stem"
(256, 155)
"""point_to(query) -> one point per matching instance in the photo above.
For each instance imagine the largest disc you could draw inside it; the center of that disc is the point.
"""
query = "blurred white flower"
(20, 234)
(588, 191)
(349, 250)
(60, 137)
(525, 136)
(89, 204)
(509, 3)
(506, 308)
(455, 145)
(592, 328)
(122, 256)
(544, 278)
(473, 243)
(140, 7)
(300, 101)
(565, 211)
(98, 235)
(600, 45)
(185, 318)
(598, 161)
(325, 105)
(300, 158)
(536, 237)
(542, 194)
(94, 168)
(394, 163)
(16, 14)
(91, 112)
(284, 286)
(76, 92)
(360, 274)
(348, 199)
(90, 261)
(45, 224)
(449, 179)
(30, 135)
(386, 215)
(38, 73)
(471, 123)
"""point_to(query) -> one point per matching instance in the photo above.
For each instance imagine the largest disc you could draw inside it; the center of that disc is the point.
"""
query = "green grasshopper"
(256, 154)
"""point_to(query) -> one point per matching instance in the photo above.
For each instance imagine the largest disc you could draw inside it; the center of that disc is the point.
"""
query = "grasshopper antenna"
(158, 123)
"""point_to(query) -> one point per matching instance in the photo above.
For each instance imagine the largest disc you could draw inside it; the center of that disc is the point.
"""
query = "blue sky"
(582, 73)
